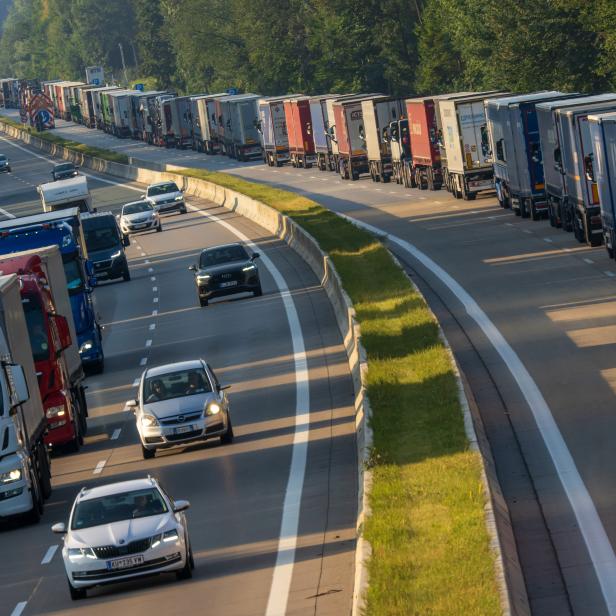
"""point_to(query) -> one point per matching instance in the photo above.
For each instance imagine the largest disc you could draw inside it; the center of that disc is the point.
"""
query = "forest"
(400, 47)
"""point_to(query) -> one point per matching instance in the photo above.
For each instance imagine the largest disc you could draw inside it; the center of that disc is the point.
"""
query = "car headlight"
(11, 476)
(55, 411)
(249, 268)
(179, 198)
(166, 537)
(88, 345)
(147, 421)
(213, 408)
(115, 255)
(76, 554)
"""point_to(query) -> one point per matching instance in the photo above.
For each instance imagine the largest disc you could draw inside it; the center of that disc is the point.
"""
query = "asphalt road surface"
(291, 395)
(531, 315)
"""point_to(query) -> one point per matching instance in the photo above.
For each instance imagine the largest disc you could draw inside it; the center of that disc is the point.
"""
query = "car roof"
(162, 183)
(118, 487)
(135, 202)
(167, 368)
(223, 246)
(66, 162)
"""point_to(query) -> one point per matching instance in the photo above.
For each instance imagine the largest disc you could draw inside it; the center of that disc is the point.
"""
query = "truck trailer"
(24, 460)
(205, 129)
(272, 125)
(241, 138)
(300, 131)
(320, 130)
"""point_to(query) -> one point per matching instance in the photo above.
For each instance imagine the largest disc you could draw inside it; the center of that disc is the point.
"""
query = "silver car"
(165, 197)
(139, 216)
(181, 403)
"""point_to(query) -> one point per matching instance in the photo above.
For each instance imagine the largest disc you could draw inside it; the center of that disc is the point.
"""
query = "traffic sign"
(139, 86)
(96, 82)
(232, 91)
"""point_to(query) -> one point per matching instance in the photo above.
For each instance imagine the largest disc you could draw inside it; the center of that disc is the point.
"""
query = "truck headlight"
(213, 408)
(11, 476)
(147, 421)
(88, 345)
(76, 554)
(55, 411)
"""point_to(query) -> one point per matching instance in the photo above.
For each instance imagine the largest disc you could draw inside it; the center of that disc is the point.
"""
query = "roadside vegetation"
(82, 148)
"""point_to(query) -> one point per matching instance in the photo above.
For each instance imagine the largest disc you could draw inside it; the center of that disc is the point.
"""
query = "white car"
(165, 197)
(121, 531)
(139, 216)
(180, 403)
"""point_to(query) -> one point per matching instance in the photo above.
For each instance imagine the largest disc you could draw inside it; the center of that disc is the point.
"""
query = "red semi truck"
(54, 349)
(299, 130)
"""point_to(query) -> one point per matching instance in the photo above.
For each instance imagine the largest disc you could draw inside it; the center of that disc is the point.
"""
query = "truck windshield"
(39, 340)
(74, 278)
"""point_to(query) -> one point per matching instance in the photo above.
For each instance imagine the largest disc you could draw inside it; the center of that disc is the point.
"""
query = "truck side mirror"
(64, 332)
(17, 379)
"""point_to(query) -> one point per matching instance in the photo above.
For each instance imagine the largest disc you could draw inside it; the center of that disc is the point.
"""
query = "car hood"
(177, 406)
(119, 533)
(138, 216)
(165, 197)
(225, 267)
(104, 254)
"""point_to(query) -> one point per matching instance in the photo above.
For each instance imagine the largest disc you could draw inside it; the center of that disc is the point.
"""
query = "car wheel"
(159, 228)
(9, 170)
(185, 573)
(258, 292)
(98, 366)
(126, 275)
(227, 437)
(203, 301)
(191, 558)
(76, 593)
(148, 454)
(75, 445)
(183, 210)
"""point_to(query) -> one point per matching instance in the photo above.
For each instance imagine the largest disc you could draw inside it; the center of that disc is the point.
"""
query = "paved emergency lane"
(237, 492)
(553, 301)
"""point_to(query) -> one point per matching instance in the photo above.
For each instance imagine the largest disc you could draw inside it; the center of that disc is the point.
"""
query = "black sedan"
(226, 270)
(63, 171)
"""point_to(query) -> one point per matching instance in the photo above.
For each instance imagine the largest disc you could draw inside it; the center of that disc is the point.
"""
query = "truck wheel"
(45, 471)
(203, 302)
(34, 515)
(354, 176)
(386, 179)
(83, 424)
(75, 445)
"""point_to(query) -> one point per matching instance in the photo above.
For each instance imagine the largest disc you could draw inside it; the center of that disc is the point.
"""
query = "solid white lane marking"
(610, 274)
(152, 326)
(99, 467)
(136, 382)
(287, 541)
(155, 300)
(7, 214)
(116, 434)
(148, 343)
(589, 523)
(19, 608)
(49, 554)
(154, 313)
(589, 261)
(143, 361)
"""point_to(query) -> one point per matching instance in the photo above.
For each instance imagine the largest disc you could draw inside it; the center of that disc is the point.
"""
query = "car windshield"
(64, 167)
(118, 507)
(176, 385)
(72, 271)
(135, 208)
(39, 341)
(162, 189)
(99, 237)
(2, 157)
(222, 254)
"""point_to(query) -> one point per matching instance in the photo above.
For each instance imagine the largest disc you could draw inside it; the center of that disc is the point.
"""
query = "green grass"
(430, 546)
(71, 145)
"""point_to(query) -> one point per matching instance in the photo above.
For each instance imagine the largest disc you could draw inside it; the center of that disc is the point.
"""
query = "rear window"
(163, 189)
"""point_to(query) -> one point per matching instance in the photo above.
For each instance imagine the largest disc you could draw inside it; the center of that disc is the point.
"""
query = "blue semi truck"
(63, 229)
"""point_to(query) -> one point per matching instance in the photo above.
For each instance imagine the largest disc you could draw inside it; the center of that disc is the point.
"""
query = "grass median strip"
(430, 546)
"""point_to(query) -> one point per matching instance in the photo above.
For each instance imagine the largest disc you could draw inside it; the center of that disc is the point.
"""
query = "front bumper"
(108, 269)
(60, 431)
(163, 436)
(173, 206)
(250, 284)
(139, 227)
(15, 497)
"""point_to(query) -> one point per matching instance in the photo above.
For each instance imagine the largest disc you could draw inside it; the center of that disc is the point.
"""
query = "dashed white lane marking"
(98, 469)
(150, 269)
(610, 274)
(7, 214)
(116, 434)
(147, 261)
(548, 239)
(155, 300)
(143, 361)
(589, 261)
(527, 231)
(152, 326)
(49, 554)
(590, 524)
(153, 278)
(143, 254)
(19, 608)
(136, 382)
(154, 289)
(148, 343)
(507, 224)
(154, 313)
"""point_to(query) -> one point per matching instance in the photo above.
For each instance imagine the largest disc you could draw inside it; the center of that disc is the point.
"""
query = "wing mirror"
(255, 255)
(180, 505)
(143, 196)
(59, 528)
(192, 268)
(223, 387)
(131, 404)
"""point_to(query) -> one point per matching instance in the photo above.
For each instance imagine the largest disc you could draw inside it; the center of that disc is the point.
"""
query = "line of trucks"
(546, 154)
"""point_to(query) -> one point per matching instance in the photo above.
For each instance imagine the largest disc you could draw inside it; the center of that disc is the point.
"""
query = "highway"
(291, 398)
(531, 315)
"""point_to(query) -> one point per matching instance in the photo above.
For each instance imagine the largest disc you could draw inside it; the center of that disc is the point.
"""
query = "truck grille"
(134, 547)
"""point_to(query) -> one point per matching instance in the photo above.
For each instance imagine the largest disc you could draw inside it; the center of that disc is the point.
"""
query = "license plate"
(183, 429)
(231, 283)
(124, 563)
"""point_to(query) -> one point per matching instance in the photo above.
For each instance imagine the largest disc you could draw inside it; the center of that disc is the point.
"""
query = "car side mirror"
(255, 255)
(180, 505)
(131, 404)
(64, 332)
(59, 528)
(223, 387)
(143, 196)
(192, 268)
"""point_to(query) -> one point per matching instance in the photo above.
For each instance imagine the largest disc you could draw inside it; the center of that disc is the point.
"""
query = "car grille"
(134, 547)
(228, 276)
(180, 419)
(101, 574)
(184, 436)
(99, 265)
